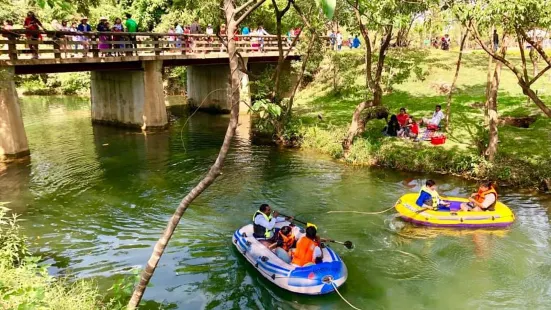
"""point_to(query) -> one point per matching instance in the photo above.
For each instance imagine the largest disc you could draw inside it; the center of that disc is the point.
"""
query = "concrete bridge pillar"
(208, 87)
(132, 98)
(13, 139)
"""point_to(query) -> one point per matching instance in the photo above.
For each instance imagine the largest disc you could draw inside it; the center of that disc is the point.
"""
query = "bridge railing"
(25, 44)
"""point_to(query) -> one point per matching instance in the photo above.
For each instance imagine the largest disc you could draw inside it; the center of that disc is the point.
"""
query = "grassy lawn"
(518, 147)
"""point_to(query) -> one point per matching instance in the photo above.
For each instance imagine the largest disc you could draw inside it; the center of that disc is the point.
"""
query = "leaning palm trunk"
(233, 22)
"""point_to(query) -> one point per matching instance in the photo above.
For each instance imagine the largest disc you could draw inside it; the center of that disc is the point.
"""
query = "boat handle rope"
(342, 297)
(360, 212)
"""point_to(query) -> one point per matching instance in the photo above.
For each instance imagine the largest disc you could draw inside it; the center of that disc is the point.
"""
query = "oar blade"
(349, 245)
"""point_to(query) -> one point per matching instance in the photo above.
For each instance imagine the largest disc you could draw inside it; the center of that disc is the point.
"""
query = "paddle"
(348, 244)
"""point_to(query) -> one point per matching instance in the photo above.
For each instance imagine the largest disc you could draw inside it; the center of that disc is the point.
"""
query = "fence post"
(184, 43)
(55, 38)
(12, 47)
(95, 47)
(157, 45)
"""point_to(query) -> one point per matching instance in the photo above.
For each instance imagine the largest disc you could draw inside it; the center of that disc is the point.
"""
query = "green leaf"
(328, 7)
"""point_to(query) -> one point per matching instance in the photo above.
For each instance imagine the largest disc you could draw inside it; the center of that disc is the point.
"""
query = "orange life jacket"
(481, 195)
(288, 241)
(304, 252)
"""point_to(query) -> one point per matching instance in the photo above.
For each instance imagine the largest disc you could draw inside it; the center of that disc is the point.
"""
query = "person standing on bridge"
(84, 27)
(209, 32)
(195, 29)
(261, 33)
(131, 27)
(118, 27)
(179, 31)
(223, 34)
(102, 27)
(32, 24)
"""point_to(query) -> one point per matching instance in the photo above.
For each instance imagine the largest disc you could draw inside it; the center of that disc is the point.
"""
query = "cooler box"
(438, 140)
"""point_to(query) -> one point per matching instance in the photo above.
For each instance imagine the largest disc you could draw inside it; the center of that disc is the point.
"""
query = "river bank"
(524, 154)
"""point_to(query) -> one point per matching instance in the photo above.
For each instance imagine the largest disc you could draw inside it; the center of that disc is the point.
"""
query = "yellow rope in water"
(361, 212)
(346, 301)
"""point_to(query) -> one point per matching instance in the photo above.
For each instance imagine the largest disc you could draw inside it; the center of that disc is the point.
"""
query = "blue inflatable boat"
(316, 279)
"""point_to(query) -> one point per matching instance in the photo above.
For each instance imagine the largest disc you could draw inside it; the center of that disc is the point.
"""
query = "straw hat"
(84, 18)
(103, 18)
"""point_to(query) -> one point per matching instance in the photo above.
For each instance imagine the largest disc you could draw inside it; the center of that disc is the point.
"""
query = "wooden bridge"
(61, 51)
(126, 73)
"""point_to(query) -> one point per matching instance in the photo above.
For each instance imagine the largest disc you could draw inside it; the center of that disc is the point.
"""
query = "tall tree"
(457, 67)
(234, 16)
(491, 150)
(382, 16)
(515, 17)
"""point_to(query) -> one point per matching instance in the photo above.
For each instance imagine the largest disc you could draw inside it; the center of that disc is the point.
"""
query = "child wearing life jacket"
(483, 200)
(285, 241)
(429, 198)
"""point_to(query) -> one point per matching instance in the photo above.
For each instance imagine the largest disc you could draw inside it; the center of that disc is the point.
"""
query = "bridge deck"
(57, 65)
(50, 52)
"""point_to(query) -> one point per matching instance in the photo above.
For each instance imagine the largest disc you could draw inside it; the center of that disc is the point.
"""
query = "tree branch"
(249, 11)
(286, 7)
(241, 8)
(368, 50)
(540, 74)
(535, 45)
(382, 54)
(504, 61)
(301, 14)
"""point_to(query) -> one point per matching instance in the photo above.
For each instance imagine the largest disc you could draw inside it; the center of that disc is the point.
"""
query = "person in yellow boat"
(429, 198)
(483, 200)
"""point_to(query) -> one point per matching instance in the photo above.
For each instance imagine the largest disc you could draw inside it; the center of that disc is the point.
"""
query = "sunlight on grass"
(518, 146)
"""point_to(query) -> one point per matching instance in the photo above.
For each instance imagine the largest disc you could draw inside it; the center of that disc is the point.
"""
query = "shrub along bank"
(324, 110)
(26, 284)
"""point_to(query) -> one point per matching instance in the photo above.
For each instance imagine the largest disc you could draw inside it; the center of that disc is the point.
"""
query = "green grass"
(523, 153)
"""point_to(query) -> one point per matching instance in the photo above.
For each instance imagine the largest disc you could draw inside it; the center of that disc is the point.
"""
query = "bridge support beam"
(13, 139)
(132, 98)
(208, 87)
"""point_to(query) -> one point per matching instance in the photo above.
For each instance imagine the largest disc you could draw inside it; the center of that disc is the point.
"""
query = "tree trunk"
(523, 61)
(461, 47)
(489, 79)
(356, 127)
(215, 169)
(491, 150)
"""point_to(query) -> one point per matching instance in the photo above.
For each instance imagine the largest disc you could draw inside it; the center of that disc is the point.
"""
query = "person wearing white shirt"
(261, 32)
(264, 222)
(436, 118)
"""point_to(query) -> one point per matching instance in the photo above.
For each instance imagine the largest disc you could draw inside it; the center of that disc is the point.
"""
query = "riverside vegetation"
(325, 106)
(26, 284)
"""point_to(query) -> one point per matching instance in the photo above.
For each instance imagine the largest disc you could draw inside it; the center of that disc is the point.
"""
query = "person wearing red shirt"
(33, 24)
(411, 130)
(402, 117)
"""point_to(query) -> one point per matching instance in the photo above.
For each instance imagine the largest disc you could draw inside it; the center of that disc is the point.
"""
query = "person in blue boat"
(285, 242)
(308, 251)
(264, 222)
(429, 198)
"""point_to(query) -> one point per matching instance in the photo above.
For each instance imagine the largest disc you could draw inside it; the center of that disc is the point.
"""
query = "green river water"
(95, 199)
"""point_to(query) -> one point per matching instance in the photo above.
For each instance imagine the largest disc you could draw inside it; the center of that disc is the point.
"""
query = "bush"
(26, 284)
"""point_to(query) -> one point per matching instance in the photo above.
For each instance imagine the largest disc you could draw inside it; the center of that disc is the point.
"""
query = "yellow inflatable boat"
(406, 206)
